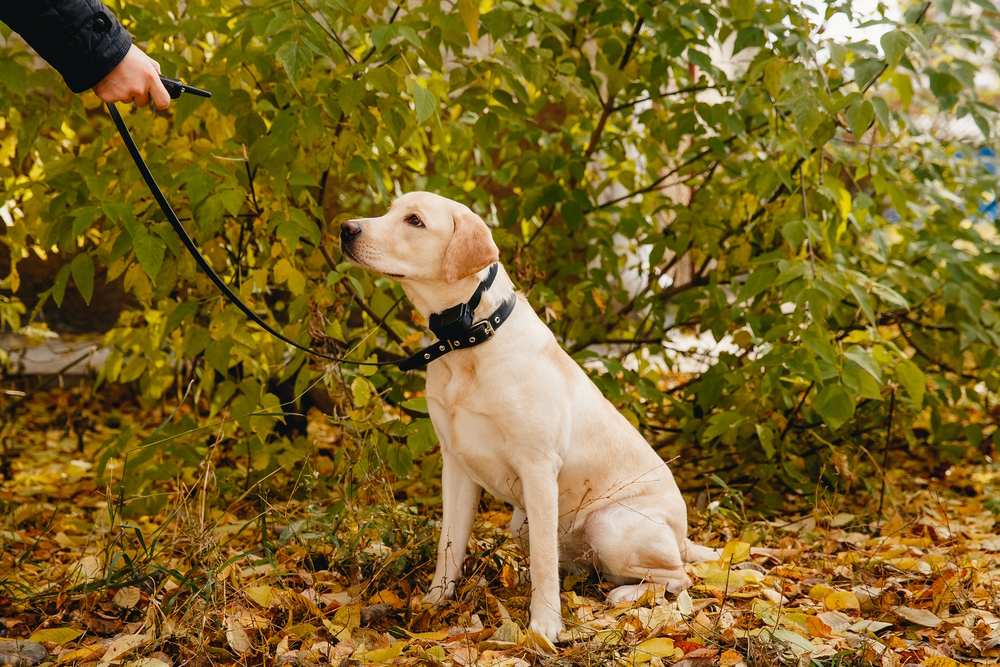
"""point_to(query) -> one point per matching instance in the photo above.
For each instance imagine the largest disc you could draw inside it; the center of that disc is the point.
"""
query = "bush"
(651, 170)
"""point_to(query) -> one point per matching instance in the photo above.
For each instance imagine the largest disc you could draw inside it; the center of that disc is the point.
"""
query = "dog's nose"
(349, 230)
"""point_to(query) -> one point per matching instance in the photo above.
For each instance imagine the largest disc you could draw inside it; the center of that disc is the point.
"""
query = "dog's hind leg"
(631, 546)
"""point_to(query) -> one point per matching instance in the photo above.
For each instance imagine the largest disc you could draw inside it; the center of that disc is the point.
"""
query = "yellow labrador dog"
(518, 417)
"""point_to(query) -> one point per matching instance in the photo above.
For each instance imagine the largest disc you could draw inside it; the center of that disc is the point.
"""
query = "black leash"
(454, 327)
(175, 88)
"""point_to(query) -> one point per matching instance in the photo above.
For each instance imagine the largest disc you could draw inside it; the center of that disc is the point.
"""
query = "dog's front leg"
(460, 497)
(541, 499)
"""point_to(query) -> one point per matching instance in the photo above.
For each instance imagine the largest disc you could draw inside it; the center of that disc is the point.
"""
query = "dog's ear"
(471, 249)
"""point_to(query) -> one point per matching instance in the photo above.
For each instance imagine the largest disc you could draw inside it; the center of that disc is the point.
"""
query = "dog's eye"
(414, 220)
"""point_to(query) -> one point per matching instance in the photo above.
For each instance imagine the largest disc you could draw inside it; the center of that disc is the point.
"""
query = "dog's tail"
(696, 553)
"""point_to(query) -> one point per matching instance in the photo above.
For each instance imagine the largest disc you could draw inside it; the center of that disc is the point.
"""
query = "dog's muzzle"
(349, 231)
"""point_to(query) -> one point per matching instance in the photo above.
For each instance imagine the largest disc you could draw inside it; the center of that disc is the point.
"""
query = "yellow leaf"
(730, 658)
(387, 597)
(820, 591)
(84, 654)
(262, 595)
(541, 642)
(939, 661)
(469, 10)
(661, 647)
(841, 600)
(429, 636)
(123, 645)
(55, 635)
(735, 552)
(381, 655)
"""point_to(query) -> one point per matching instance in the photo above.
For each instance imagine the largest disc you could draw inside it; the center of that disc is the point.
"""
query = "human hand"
(135, 79)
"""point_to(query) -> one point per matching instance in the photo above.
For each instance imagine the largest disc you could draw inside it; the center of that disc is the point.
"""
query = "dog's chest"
(471, 437)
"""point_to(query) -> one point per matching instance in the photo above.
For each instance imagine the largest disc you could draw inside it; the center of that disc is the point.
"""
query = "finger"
(161, 98)
(156, 66)
(141, 100)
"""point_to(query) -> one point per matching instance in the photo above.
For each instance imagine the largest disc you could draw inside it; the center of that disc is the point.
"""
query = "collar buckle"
(490, 331)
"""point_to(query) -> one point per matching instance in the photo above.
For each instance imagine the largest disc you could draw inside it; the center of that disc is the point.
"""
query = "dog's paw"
(439, 593)
(678, 585)
(547, 625)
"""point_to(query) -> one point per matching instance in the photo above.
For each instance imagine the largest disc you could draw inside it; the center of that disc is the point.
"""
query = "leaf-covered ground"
(197, 584)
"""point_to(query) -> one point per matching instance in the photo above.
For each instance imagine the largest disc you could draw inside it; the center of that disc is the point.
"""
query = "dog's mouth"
(364, 265)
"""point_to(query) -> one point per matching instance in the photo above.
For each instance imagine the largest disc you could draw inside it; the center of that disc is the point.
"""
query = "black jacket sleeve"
(82, 39)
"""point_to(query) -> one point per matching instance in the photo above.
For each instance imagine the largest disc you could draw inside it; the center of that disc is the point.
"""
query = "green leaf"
(399, 459)
(425, 103)
(469, 11)
(149, 251)
(913, 380)
(834, 405)
(864, 301)
(84, 218)
(351, 92)
(974, 434)
(882, 113)
(862, 358)
(894, 45)
(773, 72)
(720, 423)
(859, 117)
(83, 275)
(420, 437)
(866, 69)
(742, 9)
(361, 390)
(766, 437)
(59, 286)
(758, 281)
(233, 200)
(904, 87)
(296, 58)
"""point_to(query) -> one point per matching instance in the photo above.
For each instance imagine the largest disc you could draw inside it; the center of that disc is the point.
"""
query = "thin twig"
(885, 454)
(805, 217)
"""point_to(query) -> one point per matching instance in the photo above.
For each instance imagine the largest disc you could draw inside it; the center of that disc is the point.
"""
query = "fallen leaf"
(735, 552)
(127, 597)
(123, 645)
(434, 636)
(918, 616)
(85, 570)
(146, 662)
(730, 658)
(841, 600)
(55, 635)
(262, 595)
(661, 647)
(874, 627)
(837, 620)
(817, 628)
(939, 661)
(381, 655)
(237, 637)
(684, 603)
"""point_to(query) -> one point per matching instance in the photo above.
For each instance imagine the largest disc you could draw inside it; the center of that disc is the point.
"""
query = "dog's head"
(423, 238)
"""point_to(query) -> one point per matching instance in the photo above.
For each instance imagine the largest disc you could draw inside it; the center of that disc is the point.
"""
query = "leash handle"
(175, 88)
(196, 253)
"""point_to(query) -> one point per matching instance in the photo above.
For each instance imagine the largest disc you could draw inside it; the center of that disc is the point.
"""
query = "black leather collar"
(455, 329)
